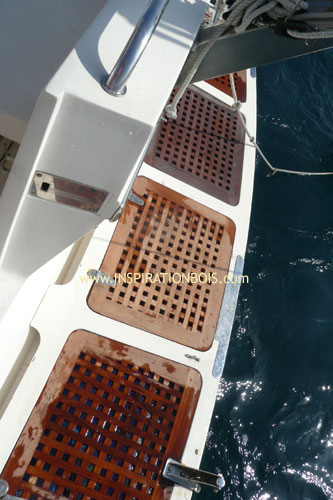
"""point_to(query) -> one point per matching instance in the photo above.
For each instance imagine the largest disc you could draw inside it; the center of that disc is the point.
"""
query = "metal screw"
(4, 487)
(189, 356)
(220, 482)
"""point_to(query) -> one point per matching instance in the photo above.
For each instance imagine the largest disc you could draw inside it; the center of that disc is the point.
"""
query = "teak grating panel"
(108, 418)
(203, 147)
(223, 83)
(169, 236)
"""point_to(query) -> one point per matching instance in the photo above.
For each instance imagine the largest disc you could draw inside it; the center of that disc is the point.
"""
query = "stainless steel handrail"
(218, 9)
(115, 83)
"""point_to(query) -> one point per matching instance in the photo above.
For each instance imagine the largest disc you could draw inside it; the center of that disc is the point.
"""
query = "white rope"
(289, 5)
(311, 35)
(277, 12)
(237, 107)
(253, 7)
(308, 16)
(320, 23)
(258, 12)
(293, 10)
(242, 14)
(238, 8)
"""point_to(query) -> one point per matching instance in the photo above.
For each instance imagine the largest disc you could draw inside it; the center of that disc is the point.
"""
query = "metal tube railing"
(218, 9)
(115, 83)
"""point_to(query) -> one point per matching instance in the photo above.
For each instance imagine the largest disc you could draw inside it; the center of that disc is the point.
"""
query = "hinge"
(190, 478)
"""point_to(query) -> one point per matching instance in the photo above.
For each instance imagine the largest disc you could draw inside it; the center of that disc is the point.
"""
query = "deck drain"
(223, 83)
(107, 420)
(170, 237)
(204, 146)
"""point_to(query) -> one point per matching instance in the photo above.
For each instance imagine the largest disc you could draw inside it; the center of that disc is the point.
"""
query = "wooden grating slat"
(170, 237)
(223, 83)
(108, 418)
(203, 147)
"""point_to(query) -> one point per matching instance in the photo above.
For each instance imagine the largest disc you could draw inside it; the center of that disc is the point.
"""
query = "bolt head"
(220, 482)
(4, 487)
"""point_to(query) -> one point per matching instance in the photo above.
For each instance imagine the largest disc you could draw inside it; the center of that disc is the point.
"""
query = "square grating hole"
(197, 241)
(204, 146)
(128, 461)
(223, 83)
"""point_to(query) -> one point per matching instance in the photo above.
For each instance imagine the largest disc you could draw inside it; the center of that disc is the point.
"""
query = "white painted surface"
(36, 36)
(14, 327)
(79, 132)
(64, 309)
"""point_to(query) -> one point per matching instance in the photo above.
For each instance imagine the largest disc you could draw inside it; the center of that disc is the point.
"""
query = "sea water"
(272, 430)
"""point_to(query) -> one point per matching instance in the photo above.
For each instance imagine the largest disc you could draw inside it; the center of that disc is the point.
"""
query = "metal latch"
(192, 479)
(4, 487)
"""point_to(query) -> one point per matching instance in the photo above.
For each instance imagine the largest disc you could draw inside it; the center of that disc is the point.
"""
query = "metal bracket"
(226, 318)
(101, 278)
(192, 356)
(4, 487)
(117, 214)
(134, 198)
(192, 479)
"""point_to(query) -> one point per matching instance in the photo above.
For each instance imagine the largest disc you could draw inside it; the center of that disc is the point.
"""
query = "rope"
(243, 13)
(253, 7)
(237, 106)
(254, 15)
(293, 10)
(238, 8)
(306, 16)
(312, 35)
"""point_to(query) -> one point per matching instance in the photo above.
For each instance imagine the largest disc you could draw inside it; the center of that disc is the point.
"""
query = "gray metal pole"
(218, 9)
(115, 83)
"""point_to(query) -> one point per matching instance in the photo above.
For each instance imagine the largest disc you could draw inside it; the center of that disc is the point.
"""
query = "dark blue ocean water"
(272, 429)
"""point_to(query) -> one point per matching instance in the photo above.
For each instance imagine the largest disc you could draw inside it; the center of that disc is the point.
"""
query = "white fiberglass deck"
(73, 107)
(64, 309)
